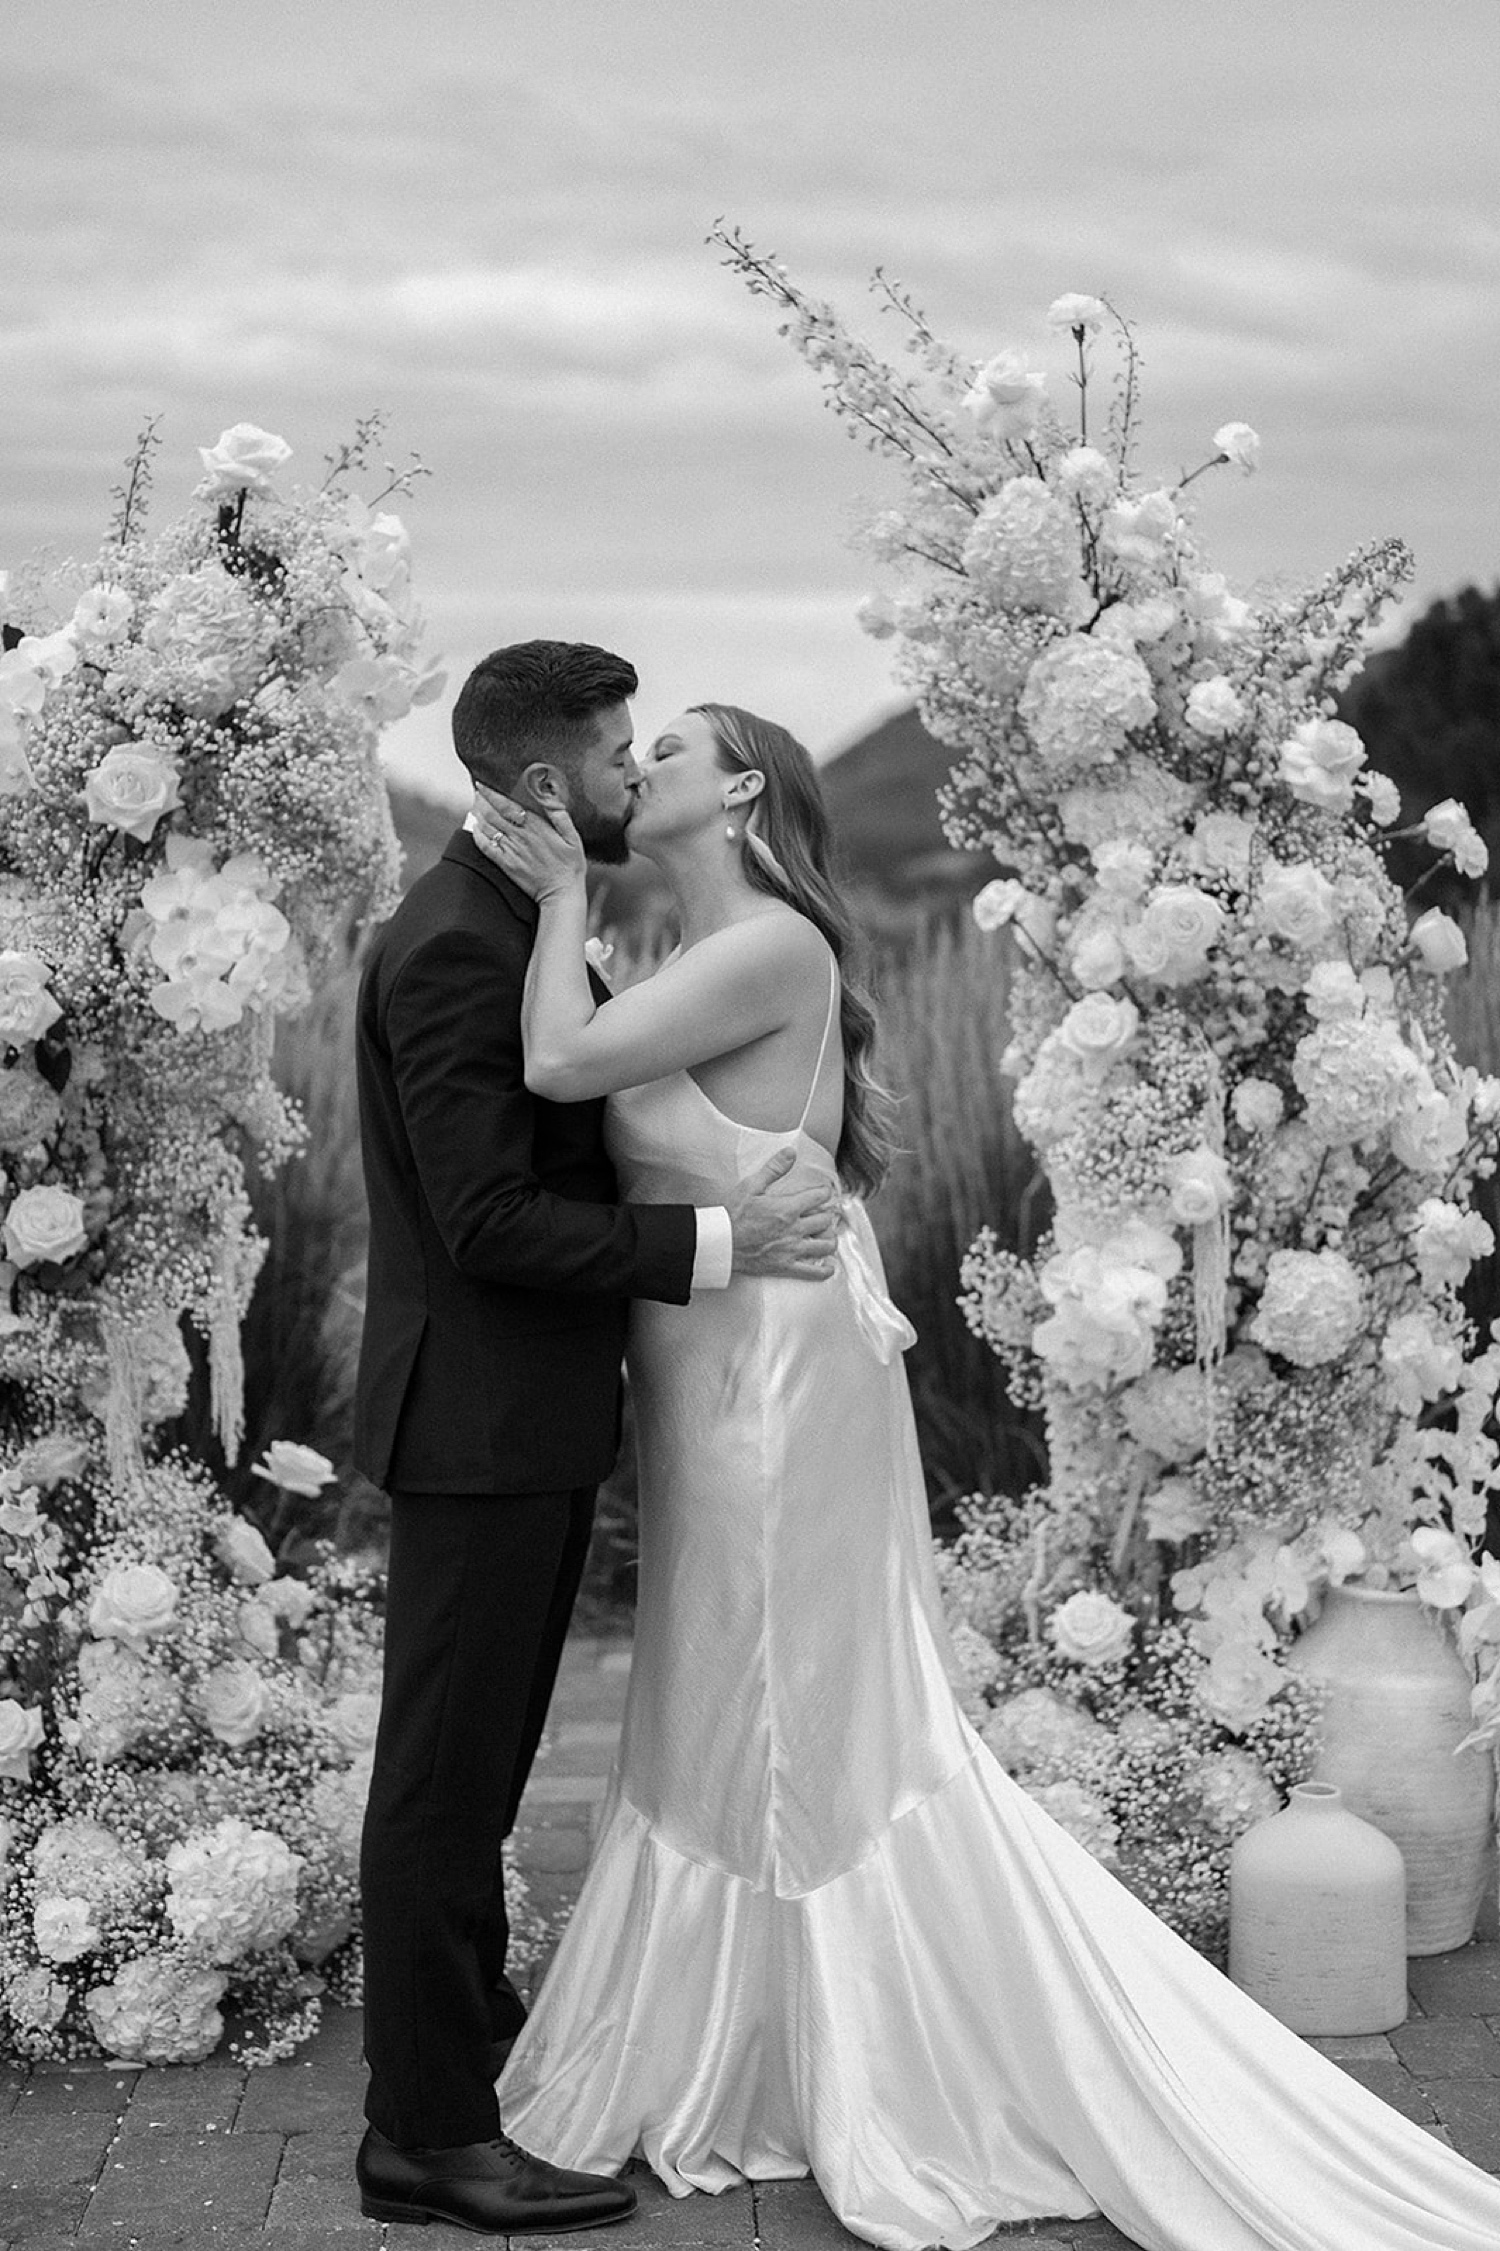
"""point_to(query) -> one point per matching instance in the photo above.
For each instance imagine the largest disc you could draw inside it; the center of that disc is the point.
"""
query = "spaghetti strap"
(833, 1002)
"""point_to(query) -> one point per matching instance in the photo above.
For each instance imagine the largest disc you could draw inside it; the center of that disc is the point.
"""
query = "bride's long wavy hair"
(786, 851)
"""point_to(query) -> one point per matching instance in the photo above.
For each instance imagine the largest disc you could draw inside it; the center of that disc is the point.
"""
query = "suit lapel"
(465, 853)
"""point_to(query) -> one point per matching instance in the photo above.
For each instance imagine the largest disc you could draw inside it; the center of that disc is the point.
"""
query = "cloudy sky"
(486, 217)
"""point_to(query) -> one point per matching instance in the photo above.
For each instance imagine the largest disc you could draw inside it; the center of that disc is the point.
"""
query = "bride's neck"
(709, 891)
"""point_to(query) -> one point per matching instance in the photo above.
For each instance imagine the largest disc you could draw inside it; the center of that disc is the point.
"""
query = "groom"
(500, 1271)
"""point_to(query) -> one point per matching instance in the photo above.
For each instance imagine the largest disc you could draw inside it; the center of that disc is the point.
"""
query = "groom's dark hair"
(535, 699)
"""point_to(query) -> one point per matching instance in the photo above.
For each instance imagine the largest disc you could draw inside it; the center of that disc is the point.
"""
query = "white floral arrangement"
(192, 819)
(1244, 1327)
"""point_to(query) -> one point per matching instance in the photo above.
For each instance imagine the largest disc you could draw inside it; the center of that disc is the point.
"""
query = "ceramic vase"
(1317, 1917)
(1396, 1707)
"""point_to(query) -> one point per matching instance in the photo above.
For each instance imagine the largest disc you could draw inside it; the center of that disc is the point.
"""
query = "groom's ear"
(541, 784)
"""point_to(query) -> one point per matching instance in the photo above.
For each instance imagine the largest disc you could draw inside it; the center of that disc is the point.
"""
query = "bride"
(823, 1930)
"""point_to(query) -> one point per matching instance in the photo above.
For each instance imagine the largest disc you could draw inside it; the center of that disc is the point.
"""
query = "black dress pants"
(480, 1591)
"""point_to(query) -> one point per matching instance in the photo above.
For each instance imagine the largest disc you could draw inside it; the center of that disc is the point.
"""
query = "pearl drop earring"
(731, 831)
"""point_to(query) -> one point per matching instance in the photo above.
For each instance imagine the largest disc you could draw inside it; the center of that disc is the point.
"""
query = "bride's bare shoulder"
(782, 938)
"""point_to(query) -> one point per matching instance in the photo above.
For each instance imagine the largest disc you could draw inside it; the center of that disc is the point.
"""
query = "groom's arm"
(452, 1024)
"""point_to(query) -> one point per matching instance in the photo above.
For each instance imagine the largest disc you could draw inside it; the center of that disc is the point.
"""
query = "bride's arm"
(728, 990)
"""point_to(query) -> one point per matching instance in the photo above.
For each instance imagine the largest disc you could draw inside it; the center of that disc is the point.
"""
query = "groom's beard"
(605, 837)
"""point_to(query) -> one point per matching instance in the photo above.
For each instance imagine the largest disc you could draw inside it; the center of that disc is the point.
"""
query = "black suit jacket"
(501, 1264)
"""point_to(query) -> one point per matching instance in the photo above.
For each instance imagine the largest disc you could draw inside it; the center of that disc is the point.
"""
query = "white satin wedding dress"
(823, 1930)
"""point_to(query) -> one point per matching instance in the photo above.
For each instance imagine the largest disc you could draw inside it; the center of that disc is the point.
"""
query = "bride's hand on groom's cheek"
(539, 850)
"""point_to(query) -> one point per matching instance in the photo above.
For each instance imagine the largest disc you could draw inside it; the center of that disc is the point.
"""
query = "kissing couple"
(822, 1931)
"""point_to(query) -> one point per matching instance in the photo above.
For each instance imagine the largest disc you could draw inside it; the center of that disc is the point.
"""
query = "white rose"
(1319, 761)
(232, 1702)
(1296, 903)
(1213, 708)
(1098, 1031)
(1173, 1511)
(1007, 394)
(354, 1718)
(1097, 957)
(1239, 444)
(1343, 1552)
(1199, 1186)
(20, 1734)
(1075, 311)
(243, 1553)
(244, 460)
(296, 1469)
(131, 790)
(45, 1226)
(1178, 927)
(1257, 1106)
(1439, 942)
(27, 1009)
(1091, 1628)
(132, 1602)
(64, 1928)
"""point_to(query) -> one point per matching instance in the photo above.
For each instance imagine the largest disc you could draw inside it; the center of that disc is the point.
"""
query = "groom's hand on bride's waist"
(781, 1227)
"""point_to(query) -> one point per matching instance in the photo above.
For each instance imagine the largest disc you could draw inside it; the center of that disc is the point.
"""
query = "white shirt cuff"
(713, 1260)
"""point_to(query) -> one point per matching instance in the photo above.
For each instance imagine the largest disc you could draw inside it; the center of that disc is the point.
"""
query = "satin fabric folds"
(822, 1930)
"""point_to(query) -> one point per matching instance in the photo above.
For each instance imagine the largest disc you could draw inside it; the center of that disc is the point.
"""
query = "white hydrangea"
(157, 2010)
(1084, 1816)
(1036, 1728)
(233, 1890)
(123, 1699)
(1311, 1308)
(1353, 1077)
(1168, 1411)
(1082, 701)
(1024, 549)
(1234, 1791)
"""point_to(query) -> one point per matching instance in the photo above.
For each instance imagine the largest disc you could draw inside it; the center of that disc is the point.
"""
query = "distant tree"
(1429, 714)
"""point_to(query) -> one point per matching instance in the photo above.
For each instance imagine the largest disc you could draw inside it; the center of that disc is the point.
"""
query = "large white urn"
(1396, 1707)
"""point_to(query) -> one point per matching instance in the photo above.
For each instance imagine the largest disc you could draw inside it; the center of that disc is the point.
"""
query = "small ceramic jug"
(1317, 1917)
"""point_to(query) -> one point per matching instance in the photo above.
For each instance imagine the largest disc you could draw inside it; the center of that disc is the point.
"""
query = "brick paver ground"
(220, 2159)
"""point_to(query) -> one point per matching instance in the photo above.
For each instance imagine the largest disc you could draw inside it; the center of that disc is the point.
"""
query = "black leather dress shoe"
(493, 2187)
